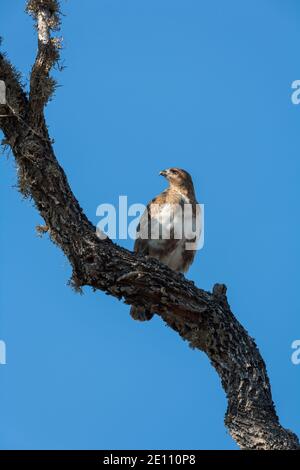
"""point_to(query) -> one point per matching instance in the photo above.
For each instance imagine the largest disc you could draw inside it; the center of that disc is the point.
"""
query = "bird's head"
(177, 177)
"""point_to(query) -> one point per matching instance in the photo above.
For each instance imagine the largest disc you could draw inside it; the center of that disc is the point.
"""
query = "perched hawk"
(170, 227)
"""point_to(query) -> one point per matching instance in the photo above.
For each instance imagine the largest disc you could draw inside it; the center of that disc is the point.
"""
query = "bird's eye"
(174, 171)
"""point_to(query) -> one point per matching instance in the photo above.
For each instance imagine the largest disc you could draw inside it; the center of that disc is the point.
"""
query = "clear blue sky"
(204, 85)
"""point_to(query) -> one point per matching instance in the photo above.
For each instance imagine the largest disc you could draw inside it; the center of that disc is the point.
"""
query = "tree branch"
(203, 319)
(47, 19)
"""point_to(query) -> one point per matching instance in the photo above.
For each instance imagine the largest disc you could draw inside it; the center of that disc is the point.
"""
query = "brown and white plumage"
(162, 239)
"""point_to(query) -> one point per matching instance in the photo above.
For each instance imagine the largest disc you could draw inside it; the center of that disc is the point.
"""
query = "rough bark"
(202, 318)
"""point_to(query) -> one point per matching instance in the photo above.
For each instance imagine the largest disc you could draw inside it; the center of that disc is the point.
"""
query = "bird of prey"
(169, 228)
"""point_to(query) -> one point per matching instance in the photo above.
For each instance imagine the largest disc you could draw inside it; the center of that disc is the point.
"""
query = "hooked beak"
(163, 173)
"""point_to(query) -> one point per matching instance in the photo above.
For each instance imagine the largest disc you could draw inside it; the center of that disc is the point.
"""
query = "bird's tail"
(139, 313)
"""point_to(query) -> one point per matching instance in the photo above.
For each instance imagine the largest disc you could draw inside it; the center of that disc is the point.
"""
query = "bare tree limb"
(203, 319)
(42, 86)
